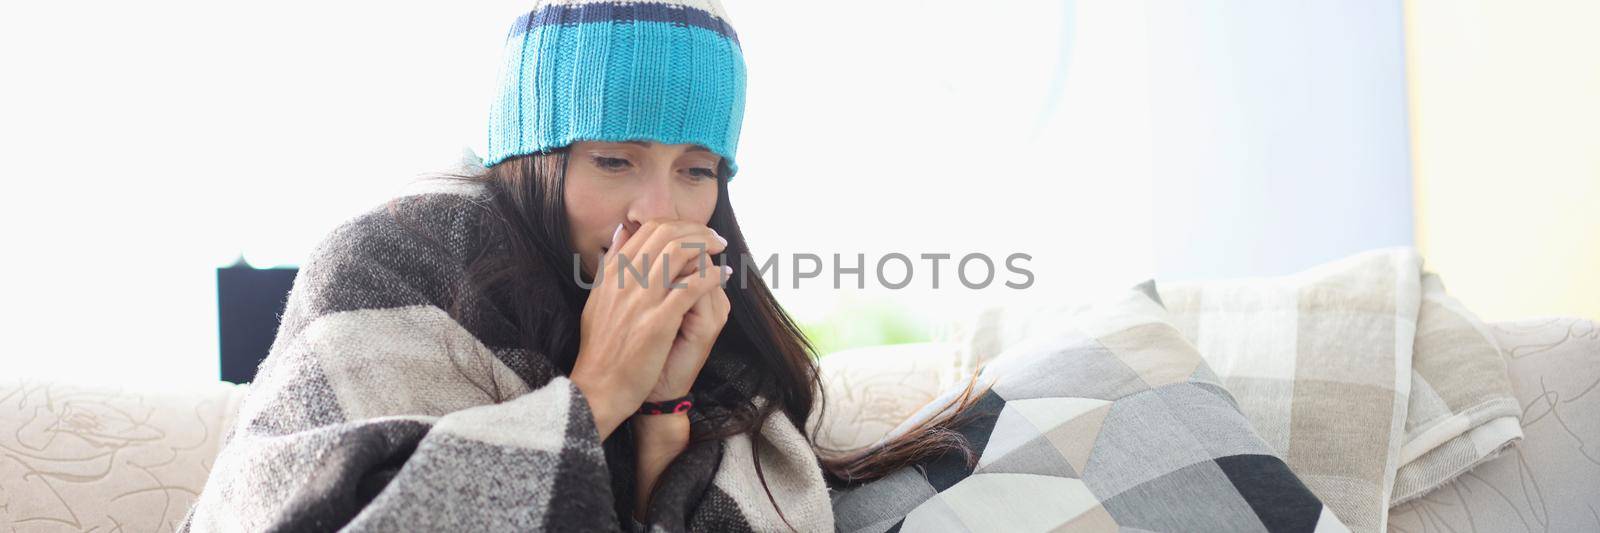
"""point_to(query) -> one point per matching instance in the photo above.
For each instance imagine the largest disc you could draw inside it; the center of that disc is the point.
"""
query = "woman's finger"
(706, 324)
(703, 306)
(638, 238)
(618, 238)
(681, 299)
(665, 257)
(687, 262)
(720, 303)
(671, 237)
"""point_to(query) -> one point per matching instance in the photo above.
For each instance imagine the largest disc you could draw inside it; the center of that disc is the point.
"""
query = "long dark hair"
(527, 205)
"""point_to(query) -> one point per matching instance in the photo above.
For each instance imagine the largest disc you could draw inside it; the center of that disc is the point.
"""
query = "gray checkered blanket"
(376, 410)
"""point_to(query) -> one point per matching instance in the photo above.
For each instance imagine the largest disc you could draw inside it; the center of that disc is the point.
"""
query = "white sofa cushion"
(1551, 480)
(871, 390)
(83, 458)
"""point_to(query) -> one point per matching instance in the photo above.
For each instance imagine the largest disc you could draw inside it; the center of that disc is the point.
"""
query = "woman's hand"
(632, 327)
(700, 328)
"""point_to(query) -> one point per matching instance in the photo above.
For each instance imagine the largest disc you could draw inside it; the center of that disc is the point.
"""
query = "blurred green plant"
(873, 322)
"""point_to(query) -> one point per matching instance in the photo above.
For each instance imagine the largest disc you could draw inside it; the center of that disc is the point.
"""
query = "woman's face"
(610, 183)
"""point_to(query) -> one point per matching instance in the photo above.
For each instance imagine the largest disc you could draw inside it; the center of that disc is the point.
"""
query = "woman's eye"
(611, 163)
(703, 173)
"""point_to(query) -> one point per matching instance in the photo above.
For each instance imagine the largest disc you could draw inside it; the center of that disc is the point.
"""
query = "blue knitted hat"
(669, 71)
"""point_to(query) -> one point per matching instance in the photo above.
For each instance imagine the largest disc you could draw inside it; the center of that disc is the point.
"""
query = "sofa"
(77, 457)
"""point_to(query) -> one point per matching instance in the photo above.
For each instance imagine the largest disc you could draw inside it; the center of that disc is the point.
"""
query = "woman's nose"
(654, 201)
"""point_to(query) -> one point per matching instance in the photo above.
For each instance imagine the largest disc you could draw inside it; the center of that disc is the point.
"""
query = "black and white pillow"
(1107, 421)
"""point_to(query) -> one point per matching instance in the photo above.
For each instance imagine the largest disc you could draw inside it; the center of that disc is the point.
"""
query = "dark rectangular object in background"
(249, 303)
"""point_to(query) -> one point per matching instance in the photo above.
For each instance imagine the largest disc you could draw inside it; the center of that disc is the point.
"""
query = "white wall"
(935, 127)
(1280, 135)
(145, 144)
(1506, 115)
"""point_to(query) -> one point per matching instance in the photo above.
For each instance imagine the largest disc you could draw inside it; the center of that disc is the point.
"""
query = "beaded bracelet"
(675, 405)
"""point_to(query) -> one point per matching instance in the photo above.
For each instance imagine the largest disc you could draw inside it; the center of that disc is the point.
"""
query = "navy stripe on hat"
(622, 12)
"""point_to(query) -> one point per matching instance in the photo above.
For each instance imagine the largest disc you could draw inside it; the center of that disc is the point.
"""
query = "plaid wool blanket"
(375, 410)
(1374, 383)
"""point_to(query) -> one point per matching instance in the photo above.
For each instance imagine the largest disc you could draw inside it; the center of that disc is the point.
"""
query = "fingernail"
(616, 234)
(721, 240)
(727, 271)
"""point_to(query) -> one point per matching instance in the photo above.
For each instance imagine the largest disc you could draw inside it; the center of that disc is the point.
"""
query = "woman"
(506, 351)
